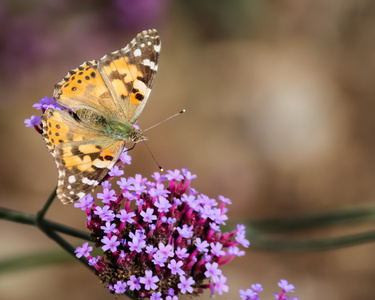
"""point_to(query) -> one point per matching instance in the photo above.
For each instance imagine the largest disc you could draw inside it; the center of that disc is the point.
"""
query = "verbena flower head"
(158, 238)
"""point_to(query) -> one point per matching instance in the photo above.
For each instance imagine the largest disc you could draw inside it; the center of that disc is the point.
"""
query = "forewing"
(129, 72)
(84, 88)
(83, 156)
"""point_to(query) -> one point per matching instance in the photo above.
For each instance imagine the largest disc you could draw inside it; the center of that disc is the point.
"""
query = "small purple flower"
(220, 285)
(162, 204)
(149, 281)
(287, 287)
(120, 287)
(46, 103)
(125, 216)
(201, 245)
(158, 177)
(166, 250)
(133, 283)
(186, 231)
(257, 287)
(107, 196)
(188, 175)
(137, 188)
(115, 171)
(33, 121)
(240, 238)
(125, 158)
(83, 251)
(216, 249)
(224, 200)
(124, 183)
(171, 221)
(241, 229)
(151, 249)
(109, 228)
(85, 202)
(234, 250)
(174, 175)
(110, 244)
(106, 184)
(175, 267)
(185, 285)
(93, 261)
(181, 253)
(249, 294)
(156, 296)
(148, 215)
(159, 259)
(136, 244)
(139, 179)
(213, 271)
(104, 212)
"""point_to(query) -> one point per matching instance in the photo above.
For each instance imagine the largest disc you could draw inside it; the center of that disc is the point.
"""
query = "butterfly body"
(118, 130)
(105, 99)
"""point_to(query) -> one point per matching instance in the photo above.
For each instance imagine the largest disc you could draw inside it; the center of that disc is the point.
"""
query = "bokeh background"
(280, 100)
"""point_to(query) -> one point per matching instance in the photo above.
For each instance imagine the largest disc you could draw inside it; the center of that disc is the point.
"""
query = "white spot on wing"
(137, 52)
(157, 48)
(152, 65)
(72, 179)
(85, 180)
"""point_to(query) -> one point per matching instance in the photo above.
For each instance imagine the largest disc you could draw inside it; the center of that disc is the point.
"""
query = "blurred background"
(280, 100)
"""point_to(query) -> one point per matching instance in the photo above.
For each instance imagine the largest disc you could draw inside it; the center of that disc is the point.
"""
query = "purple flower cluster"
(159, 238)
(252, 294)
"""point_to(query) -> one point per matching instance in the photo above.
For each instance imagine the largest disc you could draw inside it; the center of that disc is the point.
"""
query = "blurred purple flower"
(138, 13)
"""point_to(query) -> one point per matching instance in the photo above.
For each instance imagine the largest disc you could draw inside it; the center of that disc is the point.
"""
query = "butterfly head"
(137, 136)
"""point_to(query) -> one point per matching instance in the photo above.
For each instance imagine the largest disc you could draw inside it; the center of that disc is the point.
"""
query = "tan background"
(280, 118)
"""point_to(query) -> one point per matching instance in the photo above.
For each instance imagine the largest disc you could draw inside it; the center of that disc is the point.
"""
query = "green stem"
(315, 220)
(276, 244)
(43, 226)
(40, 215)
(29, 219)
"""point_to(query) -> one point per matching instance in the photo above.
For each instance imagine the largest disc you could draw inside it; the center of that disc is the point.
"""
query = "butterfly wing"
(129, 73)
(83, 155)
(84, 88)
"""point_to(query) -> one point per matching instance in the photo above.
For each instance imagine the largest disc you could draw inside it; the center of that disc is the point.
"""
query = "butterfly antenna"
(153, 157)
(175, 115)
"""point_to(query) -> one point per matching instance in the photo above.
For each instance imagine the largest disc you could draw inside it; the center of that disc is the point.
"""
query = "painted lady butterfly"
(106, 98)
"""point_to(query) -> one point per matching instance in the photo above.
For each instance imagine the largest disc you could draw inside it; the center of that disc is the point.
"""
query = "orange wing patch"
(121, 74)
(78, 81)
(56, 132)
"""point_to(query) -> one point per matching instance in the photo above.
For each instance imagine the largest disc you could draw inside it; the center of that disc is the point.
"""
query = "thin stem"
(277, 244)
(40, 215)
(43, 226)
(29, 219)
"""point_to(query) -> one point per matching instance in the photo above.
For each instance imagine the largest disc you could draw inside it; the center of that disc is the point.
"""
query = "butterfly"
(105, 99)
